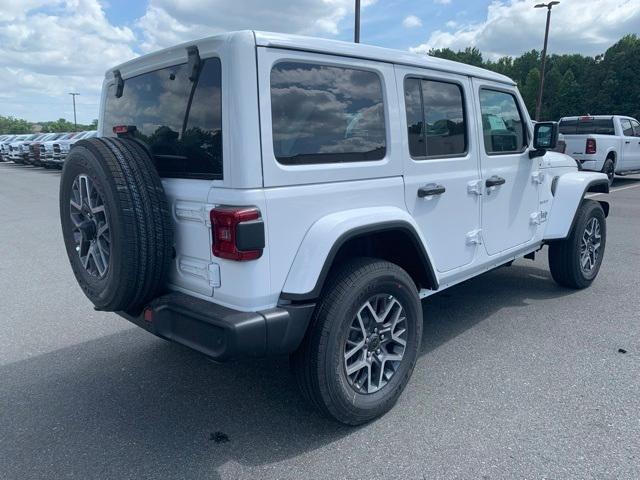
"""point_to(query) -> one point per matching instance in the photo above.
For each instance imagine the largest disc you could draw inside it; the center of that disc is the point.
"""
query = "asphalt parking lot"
(518, 378)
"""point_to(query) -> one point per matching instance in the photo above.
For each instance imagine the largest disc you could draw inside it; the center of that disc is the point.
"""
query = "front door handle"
(494, 181)
(430, 190)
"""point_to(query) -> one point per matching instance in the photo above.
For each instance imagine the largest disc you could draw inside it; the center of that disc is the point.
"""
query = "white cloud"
(411, 21)
(513, 27)
(167, 22)
(51, 47)
(442, 2)
(43, 56)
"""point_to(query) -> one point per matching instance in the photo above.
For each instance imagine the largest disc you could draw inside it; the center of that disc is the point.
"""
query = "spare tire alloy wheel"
(91, 231)
(375, 344)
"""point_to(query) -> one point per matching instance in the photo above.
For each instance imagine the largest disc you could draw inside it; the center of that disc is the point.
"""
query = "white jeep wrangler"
(260, 194)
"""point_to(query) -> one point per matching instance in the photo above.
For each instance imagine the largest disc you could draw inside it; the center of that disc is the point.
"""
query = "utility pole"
(356, 30)
(548, 6)
(75, 122)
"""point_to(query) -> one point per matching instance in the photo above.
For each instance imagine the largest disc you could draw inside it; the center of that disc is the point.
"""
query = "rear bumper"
(223, 333)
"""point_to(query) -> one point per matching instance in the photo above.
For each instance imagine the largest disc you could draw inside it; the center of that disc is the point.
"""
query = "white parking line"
(614, 190)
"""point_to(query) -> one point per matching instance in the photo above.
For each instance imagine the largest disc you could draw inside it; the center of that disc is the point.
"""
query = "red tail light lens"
(124, 129)
(238, 233)
(591, 146)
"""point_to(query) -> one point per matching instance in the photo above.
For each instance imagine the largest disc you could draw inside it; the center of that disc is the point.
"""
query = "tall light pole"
(356, 30)
(548, 6)
(75, 123)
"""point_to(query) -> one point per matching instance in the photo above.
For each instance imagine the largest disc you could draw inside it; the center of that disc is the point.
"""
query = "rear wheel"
(575, 261)
(363, 342)
(609, 169)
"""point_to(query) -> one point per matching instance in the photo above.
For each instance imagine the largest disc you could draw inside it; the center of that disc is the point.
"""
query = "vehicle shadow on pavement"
(624, 181)
(129, 405)
(459, 308)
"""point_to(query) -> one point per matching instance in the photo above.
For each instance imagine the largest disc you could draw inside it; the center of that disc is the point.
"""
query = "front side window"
(627, 129)
(435, 118)
(179, 119)
(326, 114)
(502, 123)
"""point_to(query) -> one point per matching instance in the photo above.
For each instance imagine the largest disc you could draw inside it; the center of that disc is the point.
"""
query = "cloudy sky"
(51, 47)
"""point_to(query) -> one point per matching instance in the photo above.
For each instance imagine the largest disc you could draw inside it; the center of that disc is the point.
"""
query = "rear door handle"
(494, 181)
(430, 190)
(627, 141)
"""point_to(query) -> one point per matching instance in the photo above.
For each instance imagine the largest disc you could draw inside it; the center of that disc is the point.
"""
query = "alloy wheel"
(590, 246)
(91, 231)
(375, 344)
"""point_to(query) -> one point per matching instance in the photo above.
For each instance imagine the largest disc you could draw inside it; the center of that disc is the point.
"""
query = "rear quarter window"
(326, 114)
(179, 119)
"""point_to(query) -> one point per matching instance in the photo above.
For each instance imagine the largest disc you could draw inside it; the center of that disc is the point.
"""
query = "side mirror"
(545, 137)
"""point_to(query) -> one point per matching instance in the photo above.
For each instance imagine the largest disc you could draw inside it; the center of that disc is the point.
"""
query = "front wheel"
(363, 342)
(575, 261)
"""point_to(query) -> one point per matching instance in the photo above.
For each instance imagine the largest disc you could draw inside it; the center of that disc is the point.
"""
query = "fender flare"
(327, 235)
(569, 190)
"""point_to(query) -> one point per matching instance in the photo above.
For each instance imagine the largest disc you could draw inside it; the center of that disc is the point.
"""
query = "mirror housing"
(545, 137)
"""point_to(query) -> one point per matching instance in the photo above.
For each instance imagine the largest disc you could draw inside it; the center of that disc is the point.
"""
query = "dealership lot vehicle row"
(47, 150)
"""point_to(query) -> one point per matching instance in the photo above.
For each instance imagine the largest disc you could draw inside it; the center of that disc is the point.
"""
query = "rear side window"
(179, 119)
(502, 123)
(326, 114)
(587, 126)
(436, 124)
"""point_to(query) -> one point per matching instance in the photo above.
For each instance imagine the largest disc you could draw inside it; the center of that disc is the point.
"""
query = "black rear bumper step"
(223, 333)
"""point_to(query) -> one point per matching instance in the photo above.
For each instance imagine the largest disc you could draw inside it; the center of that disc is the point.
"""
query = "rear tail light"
(591, 146)
(237, 232)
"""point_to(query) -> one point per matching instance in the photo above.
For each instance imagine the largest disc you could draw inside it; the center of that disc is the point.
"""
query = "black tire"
(565, 255)
(319, 364)
(609, 169)
(140, 228)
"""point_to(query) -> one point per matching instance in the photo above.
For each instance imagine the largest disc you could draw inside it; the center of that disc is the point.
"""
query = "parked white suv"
(603, 143)
(272, 194)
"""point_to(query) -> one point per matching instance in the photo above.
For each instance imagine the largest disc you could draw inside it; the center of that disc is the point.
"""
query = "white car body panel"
(570, 190)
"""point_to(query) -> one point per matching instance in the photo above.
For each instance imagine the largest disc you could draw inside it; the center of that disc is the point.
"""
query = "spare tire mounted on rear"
(116, 223)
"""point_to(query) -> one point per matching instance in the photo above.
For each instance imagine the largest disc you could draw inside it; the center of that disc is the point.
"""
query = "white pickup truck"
(604, 143)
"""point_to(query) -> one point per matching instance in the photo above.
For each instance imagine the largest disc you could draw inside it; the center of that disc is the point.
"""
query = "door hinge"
(209, 272)
(537, 177)
(475, 187)
(474, 237)
(214, 275)
(538, 217)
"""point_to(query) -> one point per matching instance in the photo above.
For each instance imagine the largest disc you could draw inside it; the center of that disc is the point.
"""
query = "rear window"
(326, 114)
(587, 126)
(180, 120)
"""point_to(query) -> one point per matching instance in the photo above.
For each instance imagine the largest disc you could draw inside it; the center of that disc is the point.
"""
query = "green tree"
(529, 90)
(567, 100)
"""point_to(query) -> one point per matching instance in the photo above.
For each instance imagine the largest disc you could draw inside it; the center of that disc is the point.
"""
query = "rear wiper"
(195, 67)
